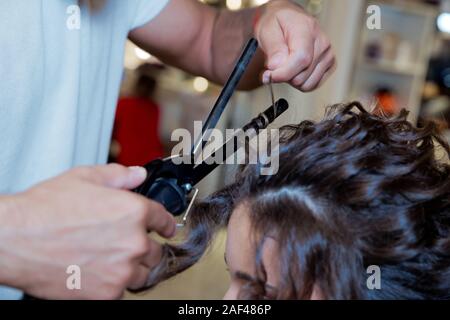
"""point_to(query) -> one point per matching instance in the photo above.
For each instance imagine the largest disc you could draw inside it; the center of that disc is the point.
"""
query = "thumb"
(118, 177)
(275, 59)
(277, 52)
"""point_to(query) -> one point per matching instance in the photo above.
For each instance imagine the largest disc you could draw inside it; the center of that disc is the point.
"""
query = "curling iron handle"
(168, 193)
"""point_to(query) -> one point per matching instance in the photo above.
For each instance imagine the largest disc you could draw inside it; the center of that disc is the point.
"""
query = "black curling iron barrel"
(170, 182)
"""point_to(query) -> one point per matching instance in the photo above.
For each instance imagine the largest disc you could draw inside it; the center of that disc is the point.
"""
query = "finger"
(153, 257)
(322, 68)
(139, 278)
(115, 176)
(301, 55)
(274, 45)
(320, 52)
(159, 220)
(327, 75)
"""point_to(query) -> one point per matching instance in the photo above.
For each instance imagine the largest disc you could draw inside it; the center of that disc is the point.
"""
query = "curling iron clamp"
(170, 181)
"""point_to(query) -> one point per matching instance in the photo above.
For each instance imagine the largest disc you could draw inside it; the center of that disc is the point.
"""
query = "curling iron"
(170, 181)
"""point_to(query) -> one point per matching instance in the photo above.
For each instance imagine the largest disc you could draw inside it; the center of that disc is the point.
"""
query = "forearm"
(209, 45)
(9, 223)
(231, 31)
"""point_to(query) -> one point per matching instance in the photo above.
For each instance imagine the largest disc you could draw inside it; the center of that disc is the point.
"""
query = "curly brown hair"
(354, 190)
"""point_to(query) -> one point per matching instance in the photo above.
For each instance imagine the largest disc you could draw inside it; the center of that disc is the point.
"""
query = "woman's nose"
(231, 294)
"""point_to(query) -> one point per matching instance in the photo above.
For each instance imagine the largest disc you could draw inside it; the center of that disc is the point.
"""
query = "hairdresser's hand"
(82, 218)
(297, 50)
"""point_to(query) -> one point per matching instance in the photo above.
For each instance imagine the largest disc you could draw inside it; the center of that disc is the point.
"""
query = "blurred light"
(259, 2)
(234, 4)
(443, 22)
(141, 54)
(200, 84)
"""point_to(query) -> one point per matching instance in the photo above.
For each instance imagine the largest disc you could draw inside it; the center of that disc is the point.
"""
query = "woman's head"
(353, 190)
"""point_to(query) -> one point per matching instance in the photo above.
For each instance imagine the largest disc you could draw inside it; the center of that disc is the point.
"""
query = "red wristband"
(256, 19)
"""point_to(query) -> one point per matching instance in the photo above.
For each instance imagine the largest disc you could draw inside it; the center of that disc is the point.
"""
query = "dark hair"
(146, 84)
(354, 190)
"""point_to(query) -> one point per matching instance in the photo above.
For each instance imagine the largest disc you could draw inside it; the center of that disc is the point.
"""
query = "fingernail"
(174, 231)
(266, 77)
(138, 172)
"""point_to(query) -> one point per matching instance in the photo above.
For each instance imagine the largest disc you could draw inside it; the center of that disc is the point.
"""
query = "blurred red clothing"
(136, 129)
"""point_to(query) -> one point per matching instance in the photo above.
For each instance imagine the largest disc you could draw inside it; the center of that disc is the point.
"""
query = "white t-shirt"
(60, 76)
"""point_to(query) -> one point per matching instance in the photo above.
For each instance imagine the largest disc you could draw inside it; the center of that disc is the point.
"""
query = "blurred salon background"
(405, 64)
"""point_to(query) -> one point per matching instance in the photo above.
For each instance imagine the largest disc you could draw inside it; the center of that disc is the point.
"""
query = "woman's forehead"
(240, 253)
(241, 246)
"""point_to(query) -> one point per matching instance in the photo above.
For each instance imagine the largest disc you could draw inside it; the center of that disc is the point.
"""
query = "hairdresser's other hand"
(297, 50)
(84, 218)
